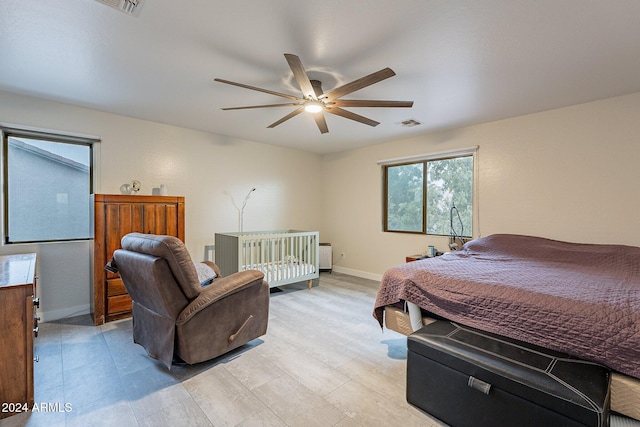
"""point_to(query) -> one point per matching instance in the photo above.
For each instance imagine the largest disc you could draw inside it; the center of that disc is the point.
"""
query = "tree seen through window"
(420, 196)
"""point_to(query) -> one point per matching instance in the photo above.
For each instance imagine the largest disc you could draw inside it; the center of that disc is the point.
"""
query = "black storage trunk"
(467, 377)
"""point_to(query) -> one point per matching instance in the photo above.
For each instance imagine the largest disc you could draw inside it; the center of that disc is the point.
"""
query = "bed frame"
(625, 390)
(284, 256)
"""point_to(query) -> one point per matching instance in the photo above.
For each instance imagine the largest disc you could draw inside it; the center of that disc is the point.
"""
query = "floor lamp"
(242, 210)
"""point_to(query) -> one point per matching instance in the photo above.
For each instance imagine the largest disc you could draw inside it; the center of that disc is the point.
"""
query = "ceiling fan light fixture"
(312, 106)
(315, 101)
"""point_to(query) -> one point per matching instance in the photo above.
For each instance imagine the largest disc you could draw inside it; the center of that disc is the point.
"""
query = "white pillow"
(206, 274)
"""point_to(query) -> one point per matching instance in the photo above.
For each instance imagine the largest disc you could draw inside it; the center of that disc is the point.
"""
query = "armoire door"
(116, 216)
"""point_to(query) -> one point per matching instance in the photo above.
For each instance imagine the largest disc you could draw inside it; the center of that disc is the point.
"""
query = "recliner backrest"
(149, 282)
(174, 252)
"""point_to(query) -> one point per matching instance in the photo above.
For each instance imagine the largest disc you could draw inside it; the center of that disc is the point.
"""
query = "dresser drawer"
(118, 304)
(115, 287)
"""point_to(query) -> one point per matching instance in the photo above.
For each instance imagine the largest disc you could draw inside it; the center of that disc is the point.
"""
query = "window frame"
(425, 159)
(8, 131)
(385, 196)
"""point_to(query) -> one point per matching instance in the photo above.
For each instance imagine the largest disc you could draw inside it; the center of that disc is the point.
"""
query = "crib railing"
(285, 257)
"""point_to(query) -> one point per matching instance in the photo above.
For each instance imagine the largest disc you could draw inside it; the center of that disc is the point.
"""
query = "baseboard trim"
(63, 313)
(357, 273)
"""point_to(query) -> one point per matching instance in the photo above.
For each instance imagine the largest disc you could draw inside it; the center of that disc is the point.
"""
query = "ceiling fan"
(317, 102)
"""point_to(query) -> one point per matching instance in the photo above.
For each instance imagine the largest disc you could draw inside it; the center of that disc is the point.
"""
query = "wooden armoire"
(115, 216)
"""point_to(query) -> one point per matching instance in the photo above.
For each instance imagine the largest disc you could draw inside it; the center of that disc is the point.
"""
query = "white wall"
(569, 174)
(214, 173)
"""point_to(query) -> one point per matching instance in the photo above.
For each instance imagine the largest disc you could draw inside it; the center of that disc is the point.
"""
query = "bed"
(580, 299)
(284, 256)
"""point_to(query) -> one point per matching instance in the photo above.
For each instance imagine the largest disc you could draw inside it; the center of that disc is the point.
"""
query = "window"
(430, 194)
(405, 197)
(47, 187)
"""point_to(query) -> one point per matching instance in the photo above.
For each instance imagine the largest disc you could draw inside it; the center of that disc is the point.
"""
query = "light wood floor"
(323, 362)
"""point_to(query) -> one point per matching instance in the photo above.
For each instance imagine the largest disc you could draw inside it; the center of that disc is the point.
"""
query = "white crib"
(284, 256)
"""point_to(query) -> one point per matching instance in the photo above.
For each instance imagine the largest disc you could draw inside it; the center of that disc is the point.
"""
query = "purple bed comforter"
(580, 299)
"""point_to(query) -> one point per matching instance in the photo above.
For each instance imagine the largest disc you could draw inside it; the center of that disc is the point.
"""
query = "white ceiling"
(461, 62)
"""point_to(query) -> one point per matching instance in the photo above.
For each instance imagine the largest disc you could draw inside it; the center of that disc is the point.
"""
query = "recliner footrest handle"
(233, 336)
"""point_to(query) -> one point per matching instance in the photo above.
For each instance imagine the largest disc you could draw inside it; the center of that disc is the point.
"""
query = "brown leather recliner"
(173, 314)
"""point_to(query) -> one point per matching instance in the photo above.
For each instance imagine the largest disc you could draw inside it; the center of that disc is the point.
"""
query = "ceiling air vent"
(410, 123)
(130, 7)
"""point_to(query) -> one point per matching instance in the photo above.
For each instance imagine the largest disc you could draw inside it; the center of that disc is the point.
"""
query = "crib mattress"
(278, 273)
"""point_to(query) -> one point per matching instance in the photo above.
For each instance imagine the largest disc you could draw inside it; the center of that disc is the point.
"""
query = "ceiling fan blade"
(284, 95)
(288, 104)
(371, 103)
(359, 84)
(321, 122)
(287, 117)
(301, 76)
(353, 116)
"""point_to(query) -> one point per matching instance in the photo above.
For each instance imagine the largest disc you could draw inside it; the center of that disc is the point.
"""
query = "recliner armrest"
(219, 289)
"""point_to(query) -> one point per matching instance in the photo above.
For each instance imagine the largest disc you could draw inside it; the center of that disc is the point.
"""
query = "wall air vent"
(130, 7)
(410, 123)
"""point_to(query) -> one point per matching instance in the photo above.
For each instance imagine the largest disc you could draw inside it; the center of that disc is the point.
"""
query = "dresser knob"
(36, 359)
(36, 302)
(36, 330)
